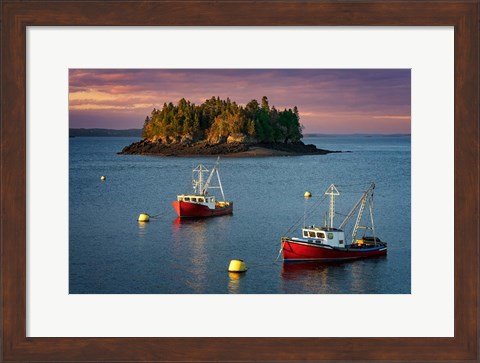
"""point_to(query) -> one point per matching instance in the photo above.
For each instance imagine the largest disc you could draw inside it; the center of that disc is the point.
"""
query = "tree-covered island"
(222, 127)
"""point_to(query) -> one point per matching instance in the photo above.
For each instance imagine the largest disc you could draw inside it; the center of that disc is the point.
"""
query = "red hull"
(304, 251)
(186, 209)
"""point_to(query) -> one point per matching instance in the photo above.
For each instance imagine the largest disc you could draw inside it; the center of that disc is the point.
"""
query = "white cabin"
(209, 201)
(328, 236)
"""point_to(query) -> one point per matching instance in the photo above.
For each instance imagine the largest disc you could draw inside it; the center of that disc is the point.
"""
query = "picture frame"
(17, 16)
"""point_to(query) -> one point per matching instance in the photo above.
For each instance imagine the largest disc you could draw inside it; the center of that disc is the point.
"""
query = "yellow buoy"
(103, 177)
(237, 266)
(144, 217)
(307, 194)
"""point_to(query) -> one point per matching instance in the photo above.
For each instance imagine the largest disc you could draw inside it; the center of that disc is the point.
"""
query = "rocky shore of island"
(205, 148)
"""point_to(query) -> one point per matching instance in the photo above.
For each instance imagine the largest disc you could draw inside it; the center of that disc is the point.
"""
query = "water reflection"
(142, 229)
(177, 222)
(330, 277)
(365, 274)
(290, 269)
(234, 282)
(311, 276)
(188, 228)
(190, 239)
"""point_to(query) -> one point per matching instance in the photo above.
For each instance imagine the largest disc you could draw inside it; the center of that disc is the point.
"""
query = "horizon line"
(307, 133)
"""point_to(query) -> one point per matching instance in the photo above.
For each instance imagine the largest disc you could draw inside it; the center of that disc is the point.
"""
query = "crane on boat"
(366, 198)
(199, 186)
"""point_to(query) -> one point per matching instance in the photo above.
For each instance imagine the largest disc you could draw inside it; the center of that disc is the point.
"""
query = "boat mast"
(370, 206)
(359, 217)
(207, 183)
(220, 185)
(332, 192)
(350, 214)
(367, 196)
(198, 183)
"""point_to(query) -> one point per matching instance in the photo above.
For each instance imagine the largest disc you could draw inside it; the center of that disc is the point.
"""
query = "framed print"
(69, 293)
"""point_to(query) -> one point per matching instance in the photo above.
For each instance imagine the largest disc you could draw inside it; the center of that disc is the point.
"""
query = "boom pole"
(207, 183)
(367, 196)
(206, 186)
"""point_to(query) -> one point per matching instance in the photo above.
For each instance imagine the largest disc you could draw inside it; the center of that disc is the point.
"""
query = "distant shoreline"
(105, 133)
(99, 132)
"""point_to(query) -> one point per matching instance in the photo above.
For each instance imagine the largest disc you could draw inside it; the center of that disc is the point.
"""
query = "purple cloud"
(329, 100)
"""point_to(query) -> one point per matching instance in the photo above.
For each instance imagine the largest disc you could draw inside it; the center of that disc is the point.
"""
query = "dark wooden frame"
(17, 15)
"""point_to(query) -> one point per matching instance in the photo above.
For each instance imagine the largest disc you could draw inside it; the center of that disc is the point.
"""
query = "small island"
(222, 127)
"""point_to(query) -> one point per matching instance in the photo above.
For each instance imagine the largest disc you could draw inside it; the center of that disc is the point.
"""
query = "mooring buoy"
(237, 266)
(144, 217)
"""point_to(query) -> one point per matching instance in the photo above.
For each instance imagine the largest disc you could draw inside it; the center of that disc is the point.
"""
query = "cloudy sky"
(329, 101)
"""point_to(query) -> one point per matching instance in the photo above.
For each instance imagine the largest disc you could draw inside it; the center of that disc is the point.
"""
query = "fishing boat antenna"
(332, 192)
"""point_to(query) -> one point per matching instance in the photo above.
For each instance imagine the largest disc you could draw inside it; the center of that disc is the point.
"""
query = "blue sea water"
(110, 252)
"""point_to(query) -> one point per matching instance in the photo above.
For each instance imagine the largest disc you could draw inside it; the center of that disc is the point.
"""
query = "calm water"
(110, 252)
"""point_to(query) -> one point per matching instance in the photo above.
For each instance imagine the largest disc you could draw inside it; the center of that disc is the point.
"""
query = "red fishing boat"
(329, 243)
(200, 203)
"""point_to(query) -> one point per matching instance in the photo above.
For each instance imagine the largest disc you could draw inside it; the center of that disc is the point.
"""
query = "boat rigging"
(200, 203)
(328, 242)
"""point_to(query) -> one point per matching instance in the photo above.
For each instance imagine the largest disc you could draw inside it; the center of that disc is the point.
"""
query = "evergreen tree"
(265, 103)
(220, 118)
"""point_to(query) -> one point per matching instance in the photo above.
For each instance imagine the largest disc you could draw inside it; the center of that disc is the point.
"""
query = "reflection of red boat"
(306, 267)
(200, 204)
(329, 243)
(177, 222)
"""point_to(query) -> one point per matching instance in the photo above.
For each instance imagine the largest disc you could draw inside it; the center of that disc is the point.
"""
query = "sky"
(330, 101)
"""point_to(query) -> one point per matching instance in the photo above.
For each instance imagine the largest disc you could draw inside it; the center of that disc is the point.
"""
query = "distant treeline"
(105, 132)
(217, 118)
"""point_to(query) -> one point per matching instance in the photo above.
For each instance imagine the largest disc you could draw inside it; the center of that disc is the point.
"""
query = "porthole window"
(330, 236)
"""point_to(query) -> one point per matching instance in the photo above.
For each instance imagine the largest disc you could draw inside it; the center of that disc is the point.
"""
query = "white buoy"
(103, 177)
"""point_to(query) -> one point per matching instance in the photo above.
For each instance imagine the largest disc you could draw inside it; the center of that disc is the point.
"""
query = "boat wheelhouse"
(331, 236)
